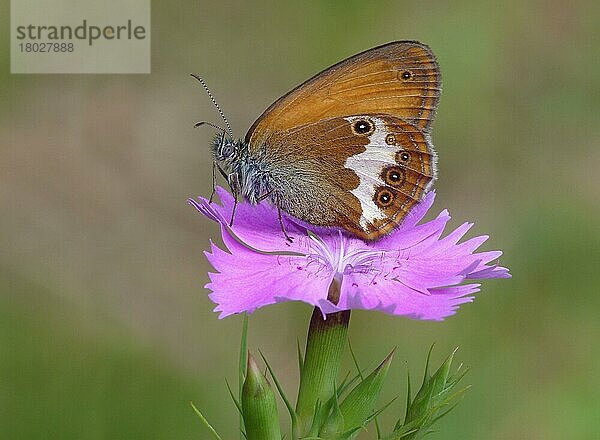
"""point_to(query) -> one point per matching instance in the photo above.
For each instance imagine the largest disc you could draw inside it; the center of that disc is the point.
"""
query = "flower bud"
(259, 408)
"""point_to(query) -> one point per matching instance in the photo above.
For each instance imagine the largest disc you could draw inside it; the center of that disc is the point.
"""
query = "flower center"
(341, 259)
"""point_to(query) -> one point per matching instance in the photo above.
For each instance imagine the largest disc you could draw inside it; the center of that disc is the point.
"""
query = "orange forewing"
(401, 79)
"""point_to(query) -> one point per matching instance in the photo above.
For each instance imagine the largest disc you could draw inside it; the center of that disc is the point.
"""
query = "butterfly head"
(247, 174)
(229, 155)
(227, 150)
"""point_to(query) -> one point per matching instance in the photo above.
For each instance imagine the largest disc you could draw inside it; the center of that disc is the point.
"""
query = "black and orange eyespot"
(390, 139)
(403, 157)
(363, 127)
(405, 75)
(393, 175)
(384, 197)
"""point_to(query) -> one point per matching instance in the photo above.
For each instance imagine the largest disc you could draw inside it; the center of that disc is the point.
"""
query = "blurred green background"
(106, 331)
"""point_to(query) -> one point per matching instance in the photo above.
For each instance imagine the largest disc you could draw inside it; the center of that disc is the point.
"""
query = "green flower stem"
(242, 366)
(259, 407)
(324, 347)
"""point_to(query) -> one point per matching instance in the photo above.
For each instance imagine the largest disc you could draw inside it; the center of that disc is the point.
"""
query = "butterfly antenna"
(215, 126)
(212, 98)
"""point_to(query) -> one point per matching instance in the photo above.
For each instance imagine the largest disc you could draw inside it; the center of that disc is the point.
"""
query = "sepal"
(436, 397)
(358, 407)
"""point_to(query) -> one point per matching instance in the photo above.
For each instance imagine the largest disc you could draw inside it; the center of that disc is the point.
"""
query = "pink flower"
(412, 272)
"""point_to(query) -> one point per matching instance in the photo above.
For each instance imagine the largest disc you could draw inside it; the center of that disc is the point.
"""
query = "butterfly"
(349, 148)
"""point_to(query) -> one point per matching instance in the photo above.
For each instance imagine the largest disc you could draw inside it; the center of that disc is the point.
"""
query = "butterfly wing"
(336, 173)
(400, 79)
(328, 170)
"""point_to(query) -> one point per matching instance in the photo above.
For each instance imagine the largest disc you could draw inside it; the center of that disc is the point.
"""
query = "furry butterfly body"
(349, 148)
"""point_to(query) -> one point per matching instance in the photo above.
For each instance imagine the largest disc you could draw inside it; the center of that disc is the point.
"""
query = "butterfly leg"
(214, 178)
(287, 237)
(235, 203)
(214, 182)
(264, 196)
(234, 184)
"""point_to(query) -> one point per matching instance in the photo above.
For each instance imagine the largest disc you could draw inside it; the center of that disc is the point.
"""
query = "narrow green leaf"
(408, 393)
(426, 374)
(355, 360)
(452, 401)
(300, 358)
(335, 421)
(235, 401)
(440, 377)
(359, 403)
(435, 399)
(205, 422)
(346, 383)
(317, 421)
(288, 405)
(350, 433)
(457, 376)
(358, 369)
(380, 410)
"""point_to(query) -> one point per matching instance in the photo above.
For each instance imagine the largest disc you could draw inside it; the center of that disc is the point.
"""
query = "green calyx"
(357, 409)
(259, 408)
(436, 398)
